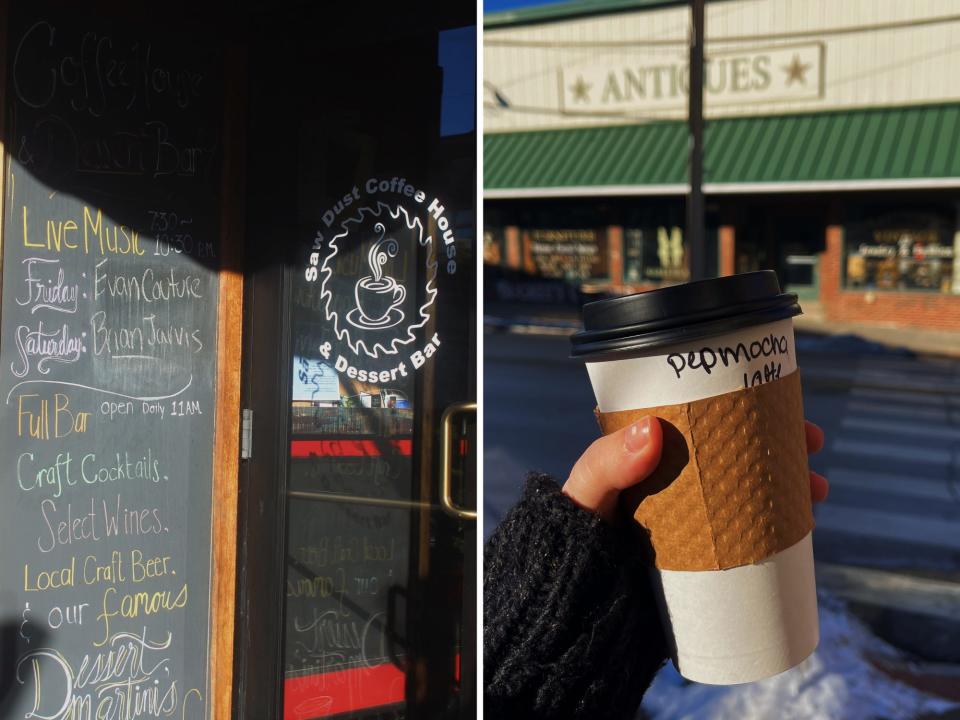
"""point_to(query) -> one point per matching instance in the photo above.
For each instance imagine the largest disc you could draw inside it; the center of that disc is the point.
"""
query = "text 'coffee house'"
(831, 150)
(237, 361)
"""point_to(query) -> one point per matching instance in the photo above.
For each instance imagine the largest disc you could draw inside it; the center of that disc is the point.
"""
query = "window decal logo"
(376, 322)
(378, 296)
(374, 268)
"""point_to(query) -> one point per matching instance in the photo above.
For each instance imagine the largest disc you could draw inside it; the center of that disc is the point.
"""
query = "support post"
(696, 232)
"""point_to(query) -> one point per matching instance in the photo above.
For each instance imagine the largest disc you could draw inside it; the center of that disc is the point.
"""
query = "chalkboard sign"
(346, 579)
(107, 366)
(347, 563)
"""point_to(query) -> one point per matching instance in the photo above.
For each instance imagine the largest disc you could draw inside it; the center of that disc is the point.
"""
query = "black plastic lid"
(682, 312)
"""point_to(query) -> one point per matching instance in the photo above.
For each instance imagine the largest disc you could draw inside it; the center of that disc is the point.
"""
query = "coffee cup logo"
(373, 268)
(378, 296)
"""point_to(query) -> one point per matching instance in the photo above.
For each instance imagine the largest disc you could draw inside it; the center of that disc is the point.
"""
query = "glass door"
(357, 586)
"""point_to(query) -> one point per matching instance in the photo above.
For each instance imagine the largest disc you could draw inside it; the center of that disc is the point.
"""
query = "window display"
(655, 255)
(901, 251)
(570, 254)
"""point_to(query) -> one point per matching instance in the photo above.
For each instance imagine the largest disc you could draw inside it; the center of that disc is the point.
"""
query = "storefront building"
(832, 149)
(237, 360)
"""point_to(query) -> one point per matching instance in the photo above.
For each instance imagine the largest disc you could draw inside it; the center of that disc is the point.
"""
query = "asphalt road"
(892, 455)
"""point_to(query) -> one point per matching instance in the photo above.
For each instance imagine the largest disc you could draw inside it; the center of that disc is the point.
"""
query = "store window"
(655, 254)
(910, 250)
(493, 247)
(569, 254)
(655, 242)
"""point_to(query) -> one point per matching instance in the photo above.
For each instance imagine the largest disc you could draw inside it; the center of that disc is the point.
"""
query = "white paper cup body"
(742, 624)
(745, 623)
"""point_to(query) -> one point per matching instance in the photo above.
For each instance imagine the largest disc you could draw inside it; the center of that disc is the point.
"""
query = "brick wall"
(727, 252)
(514, 253)
(615, 255)
(933, 311)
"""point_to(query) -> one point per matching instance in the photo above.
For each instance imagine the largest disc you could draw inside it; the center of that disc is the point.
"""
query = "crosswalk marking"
(889, 526)
(891, 395)
(884, 381)
(889, 484)
(929, 414)
(893, 450)
(898, 427)
(890, 408)
(885, 425)
(935, 598)
(932, 366)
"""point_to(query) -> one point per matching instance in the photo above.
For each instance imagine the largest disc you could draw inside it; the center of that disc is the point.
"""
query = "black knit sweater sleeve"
(570, 625)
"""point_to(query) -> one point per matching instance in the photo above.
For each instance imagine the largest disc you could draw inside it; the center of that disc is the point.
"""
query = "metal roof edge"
(556, 12)
(800, 186)
(585, 191)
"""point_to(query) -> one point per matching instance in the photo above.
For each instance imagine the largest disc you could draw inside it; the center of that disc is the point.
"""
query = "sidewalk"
(549, 320)
(920, 341)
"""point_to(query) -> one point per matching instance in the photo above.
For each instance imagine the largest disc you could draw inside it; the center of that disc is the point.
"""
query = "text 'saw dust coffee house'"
(237, 360)
(830, 150)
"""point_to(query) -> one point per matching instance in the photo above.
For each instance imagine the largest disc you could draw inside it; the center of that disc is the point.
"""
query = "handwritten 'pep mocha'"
(706, 358)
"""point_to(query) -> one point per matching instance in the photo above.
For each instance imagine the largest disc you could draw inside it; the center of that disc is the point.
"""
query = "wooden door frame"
(226, 449)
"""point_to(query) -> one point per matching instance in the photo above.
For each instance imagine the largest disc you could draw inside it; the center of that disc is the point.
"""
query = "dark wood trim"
(265, 389)
(4, 156)
(262, 501)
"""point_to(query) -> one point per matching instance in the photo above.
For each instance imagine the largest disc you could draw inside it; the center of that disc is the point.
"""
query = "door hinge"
(246, 434)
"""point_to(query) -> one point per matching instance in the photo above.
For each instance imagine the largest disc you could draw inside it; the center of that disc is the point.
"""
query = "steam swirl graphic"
(380, 252)
(366, 335)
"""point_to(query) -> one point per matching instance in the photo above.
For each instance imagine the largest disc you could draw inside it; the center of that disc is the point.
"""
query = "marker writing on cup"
(707, 358)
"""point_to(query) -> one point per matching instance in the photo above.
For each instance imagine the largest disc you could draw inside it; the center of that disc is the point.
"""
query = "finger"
(819, 487)
(615, 462)
(814, 437)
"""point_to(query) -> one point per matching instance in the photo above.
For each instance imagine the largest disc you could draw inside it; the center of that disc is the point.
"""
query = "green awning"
(900, 147)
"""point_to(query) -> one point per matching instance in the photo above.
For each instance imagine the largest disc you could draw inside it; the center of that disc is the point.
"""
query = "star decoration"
(581, 90)
(796, 70)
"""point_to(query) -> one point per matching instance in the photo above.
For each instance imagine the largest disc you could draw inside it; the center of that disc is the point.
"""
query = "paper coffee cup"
(725, 521)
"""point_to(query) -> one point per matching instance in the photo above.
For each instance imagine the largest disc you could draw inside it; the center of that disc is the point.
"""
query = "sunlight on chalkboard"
(108, 342)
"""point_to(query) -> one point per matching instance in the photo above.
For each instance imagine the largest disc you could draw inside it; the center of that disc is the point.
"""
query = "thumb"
(613, 463)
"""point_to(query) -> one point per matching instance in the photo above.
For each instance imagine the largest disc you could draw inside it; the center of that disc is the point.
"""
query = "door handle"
(393, 635)
(446, 490)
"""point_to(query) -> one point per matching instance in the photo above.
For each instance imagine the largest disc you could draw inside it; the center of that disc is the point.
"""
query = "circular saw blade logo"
(376, 318)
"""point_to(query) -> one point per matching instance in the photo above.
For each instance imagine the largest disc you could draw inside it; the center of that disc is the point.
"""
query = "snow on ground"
(835, 683)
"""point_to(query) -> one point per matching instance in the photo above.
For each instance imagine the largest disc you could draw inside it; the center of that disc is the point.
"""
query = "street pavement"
(887, 538)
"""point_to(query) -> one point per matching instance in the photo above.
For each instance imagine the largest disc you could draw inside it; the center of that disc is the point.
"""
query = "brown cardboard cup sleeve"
(732, 487)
